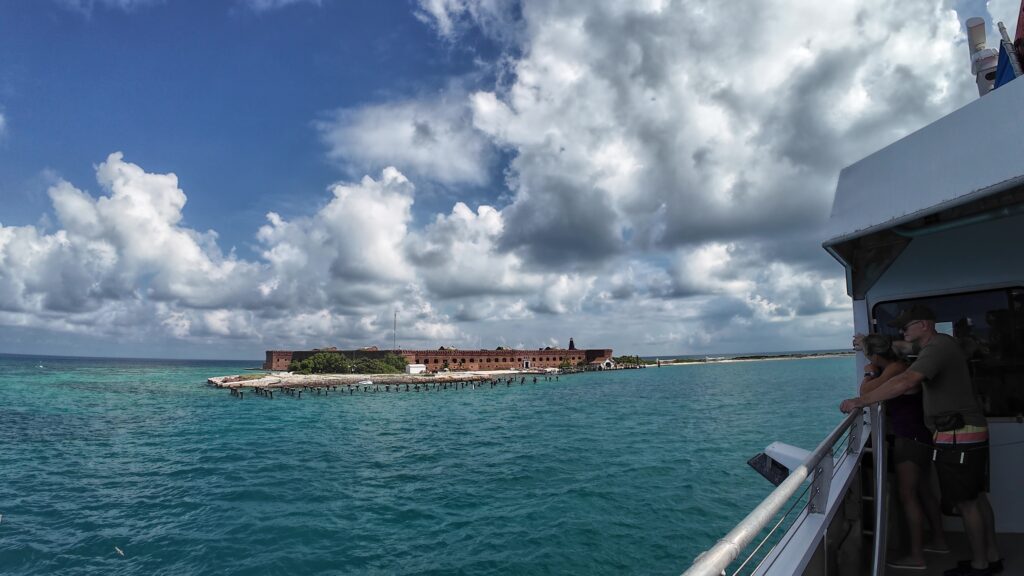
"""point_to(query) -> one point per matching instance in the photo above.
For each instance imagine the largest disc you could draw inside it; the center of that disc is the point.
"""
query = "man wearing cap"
(958, 426)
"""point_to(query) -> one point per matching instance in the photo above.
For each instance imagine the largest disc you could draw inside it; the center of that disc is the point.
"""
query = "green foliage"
(629, 360)
(321, 363)
(390, 364)
(336, 363)
(397, 362)
(244, 377)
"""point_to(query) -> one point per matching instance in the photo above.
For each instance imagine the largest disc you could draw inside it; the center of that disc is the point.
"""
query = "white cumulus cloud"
(126, 259)
(433, 139)
(639, 125)
(450, 17)
(1005, 11)
(667, 185)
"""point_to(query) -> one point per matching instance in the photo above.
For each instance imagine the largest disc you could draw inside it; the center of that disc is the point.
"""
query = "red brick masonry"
(437, 360)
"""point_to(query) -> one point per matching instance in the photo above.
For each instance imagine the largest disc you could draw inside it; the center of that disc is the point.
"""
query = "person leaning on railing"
(912, 450)
(959, 429)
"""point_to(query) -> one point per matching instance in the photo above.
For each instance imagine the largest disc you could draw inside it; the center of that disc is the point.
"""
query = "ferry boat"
(933, 219)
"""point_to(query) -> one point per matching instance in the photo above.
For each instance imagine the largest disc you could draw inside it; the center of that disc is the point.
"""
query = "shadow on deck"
(1011, 546)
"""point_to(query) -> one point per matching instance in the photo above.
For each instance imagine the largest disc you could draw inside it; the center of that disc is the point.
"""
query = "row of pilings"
(296, 391)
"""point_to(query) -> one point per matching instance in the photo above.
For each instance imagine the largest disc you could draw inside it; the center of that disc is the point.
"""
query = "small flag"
(1004, 70)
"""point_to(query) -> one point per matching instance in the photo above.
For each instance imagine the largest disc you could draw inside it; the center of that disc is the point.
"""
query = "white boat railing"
(714, 562)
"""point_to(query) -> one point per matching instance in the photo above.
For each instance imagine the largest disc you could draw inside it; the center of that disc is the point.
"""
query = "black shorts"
(961, 482)
(910, 450)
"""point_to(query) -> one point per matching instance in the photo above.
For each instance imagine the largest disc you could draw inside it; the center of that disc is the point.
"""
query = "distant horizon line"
(260, 360)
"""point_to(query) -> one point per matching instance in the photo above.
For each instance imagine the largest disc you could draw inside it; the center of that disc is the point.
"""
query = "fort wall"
(459, 360)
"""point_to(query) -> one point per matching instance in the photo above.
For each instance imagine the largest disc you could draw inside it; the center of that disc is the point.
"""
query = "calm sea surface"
(606, 473)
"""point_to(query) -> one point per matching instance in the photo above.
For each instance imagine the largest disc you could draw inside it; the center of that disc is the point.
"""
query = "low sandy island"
(709, 360)
(289, 380)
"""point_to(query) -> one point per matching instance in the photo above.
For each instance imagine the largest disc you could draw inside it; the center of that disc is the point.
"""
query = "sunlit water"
(606, 473)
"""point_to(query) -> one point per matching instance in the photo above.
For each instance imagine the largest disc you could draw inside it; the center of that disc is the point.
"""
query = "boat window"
(990, 327)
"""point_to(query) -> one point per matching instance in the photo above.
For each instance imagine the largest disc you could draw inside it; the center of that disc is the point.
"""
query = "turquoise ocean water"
(606, 473)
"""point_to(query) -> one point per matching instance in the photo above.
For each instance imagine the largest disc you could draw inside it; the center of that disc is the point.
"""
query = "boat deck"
(1010, 545)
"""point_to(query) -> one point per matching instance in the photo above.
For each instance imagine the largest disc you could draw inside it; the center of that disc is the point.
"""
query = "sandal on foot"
(994, 567)
(964, 568)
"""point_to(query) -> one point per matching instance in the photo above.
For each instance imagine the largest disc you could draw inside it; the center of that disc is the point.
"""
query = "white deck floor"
(1010, 545)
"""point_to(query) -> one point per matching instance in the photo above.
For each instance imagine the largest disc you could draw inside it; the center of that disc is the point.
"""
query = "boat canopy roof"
(973, 153)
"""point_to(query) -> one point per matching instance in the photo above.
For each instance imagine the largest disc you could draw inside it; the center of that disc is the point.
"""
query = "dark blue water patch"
(617, 472)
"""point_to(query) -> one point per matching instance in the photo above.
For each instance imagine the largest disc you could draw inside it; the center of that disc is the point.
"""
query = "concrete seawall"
(288, 380)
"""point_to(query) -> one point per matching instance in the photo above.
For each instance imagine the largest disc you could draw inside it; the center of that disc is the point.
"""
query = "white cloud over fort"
(433, 137)
(656, 177)
(126, 265)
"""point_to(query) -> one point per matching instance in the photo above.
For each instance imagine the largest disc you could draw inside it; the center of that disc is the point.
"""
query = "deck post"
(856, 433)
(821, 485)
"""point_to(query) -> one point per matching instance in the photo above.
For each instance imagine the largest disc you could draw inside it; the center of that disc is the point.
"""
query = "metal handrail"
(714, 561)
(880, 457)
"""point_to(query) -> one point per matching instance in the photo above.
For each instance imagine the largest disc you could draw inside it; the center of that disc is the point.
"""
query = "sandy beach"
(665, 363)
(289, 380)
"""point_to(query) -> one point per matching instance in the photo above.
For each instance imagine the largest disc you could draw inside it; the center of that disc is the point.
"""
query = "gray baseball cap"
(915, 312)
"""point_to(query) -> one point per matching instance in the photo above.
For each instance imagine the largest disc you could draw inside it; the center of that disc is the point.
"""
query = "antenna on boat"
(983, 60)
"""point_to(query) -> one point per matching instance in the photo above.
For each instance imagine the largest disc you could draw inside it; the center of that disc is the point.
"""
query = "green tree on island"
(630, 360)
(336, 363)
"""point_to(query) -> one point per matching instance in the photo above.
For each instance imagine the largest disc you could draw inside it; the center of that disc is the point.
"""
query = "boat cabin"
(935, 219)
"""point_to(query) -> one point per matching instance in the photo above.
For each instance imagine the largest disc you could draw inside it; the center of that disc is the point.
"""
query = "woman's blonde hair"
(878, 345)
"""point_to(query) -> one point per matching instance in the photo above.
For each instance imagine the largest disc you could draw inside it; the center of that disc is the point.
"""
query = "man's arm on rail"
(895, 386)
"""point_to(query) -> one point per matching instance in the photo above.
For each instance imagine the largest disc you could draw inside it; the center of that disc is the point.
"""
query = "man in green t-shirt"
(959, 429)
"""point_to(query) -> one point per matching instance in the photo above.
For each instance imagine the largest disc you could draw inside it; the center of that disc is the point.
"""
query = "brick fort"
(458, 360)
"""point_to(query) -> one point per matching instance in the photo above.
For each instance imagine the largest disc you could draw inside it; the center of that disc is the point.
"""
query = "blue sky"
(213, 179)
(222, 94)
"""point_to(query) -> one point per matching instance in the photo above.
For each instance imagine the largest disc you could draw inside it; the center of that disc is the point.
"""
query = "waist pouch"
(950, 455)
(956, 453)
(947, 421)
